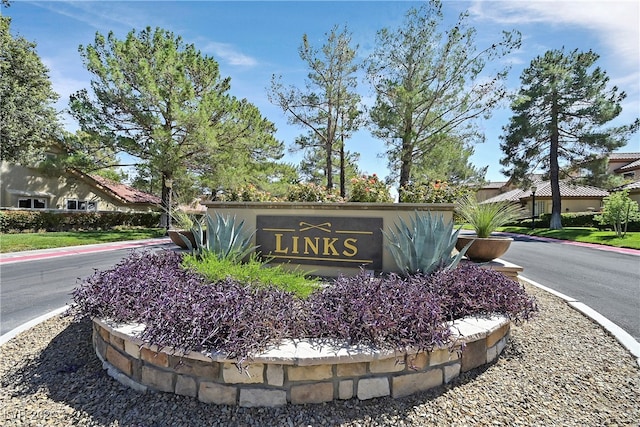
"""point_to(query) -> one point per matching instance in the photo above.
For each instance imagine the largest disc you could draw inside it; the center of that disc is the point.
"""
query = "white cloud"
(614, 22)
(229, 54)
(99, 15)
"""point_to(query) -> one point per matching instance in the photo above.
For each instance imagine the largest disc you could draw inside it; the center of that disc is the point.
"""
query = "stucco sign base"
(295, 372)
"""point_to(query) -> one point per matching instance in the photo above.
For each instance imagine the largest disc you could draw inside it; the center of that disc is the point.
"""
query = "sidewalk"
(13, 257)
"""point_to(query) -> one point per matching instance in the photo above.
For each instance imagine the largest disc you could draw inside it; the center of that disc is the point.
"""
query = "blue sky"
(254, 40)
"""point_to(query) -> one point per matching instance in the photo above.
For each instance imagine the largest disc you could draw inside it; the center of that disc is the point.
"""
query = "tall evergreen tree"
(448, 160)
(431, 83)
(313, 167)
(329, 105)
(28, 119)
(163, 102)
(559, 117)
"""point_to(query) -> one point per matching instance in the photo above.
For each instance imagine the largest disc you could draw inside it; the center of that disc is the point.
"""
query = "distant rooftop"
(125, 192)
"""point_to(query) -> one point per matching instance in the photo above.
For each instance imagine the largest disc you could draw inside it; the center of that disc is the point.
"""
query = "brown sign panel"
(317, 240)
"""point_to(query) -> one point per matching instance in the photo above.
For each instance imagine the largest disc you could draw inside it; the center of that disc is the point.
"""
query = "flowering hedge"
(434, 192)
(310, 192)
(369, 188)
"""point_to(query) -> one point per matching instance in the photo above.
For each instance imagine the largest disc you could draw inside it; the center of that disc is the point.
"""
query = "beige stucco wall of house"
(19, 182)
(635, 195)
(543, 205)
(483, 194)
(389, 212)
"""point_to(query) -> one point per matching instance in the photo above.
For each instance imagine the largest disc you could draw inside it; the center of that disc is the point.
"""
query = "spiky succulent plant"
(424, 245)
(222, 238)
(485, 218)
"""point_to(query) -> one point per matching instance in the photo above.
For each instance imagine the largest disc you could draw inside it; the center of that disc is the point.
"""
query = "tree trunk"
(554, 169)
(343, 174)
(406, 161)
(329, 168)
(165, 219)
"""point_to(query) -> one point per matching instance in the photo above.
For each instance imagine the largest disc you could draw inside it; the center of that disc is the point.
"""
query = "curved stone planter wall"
(295, 372)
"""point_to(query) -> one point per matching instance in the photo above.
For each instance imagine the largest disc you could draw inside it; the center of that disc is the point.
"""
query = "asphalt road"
(31, 289)
(608, 282)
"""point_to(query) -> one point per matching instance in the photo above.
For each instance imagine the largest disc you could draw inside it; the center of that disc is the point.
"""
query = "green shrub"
(36, 220)
(246, 193)
(575, 219)
(579, 219)
(368, 188)
(618, 211)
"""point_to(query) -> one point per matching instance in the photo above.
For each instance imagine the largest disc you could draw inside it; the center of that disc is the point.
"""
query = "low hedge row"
(575, 219)
(35, 220)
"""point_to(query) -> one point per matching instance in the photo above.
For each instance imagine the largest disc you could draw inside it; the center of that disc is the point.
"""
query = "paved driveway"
(606, 279)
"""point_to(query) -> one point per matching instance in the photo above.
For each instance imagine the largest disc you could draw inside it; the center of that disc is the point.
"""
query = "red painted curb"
(76, 250)
(626, 251)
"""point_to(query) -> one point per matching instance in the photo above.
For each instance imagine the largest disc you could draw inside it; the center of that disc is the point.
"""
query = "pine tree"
(558, 119)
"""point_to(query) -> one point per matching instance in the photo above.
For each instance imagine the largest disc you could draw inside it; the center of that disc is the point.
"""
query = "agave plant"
(223, 238)
(424, 245)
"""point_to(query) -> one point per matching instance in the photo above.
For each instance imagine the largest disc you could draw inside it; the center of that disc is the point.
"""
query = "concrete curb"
(30, 324)
(623, 337)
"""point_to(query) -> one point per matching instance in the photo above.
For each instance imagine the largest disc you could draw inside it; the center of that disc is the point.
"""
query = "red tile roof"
(126, 193)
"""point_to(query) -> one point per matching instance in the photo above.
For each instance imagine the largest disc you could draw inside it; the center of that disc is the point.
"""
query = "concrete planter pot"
(484, 249)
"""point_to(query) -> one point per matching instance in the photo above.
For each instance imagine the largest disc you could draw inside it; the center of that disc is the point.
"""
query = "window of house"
(32, 203)
(629, 175)
(81, 205)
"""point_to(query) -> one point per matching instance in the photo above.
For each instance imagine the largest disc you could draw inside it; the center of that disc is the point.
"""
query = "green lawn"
(28, 241)
(581, 234)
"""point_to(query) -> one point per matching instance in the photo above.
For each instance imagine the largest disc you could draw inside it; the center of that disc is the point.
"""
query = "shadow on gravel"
(69, 372)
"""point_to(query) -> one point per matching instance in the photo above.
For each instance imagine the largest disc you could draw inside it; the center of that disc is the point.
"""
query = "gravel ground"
(558, 369)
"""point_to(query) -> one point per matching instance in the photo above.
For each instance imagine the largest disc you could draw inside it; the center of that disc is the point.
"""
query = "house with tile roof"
(29, 188)
(625, 164)
(575, 198)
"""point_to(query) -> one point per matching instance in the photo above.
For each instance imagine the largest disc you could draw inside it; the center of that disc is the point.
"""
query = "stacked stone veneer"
(295, 372)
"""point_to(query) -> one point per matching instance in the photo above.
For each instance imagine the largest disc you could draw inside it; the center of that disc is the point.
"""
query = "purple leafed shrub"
(470, 290)
(384, 312)
(181, 309)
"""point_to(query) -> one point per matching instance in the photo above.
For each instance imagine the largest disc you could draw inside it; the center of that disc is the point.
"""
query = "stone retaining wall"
(297, 371)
